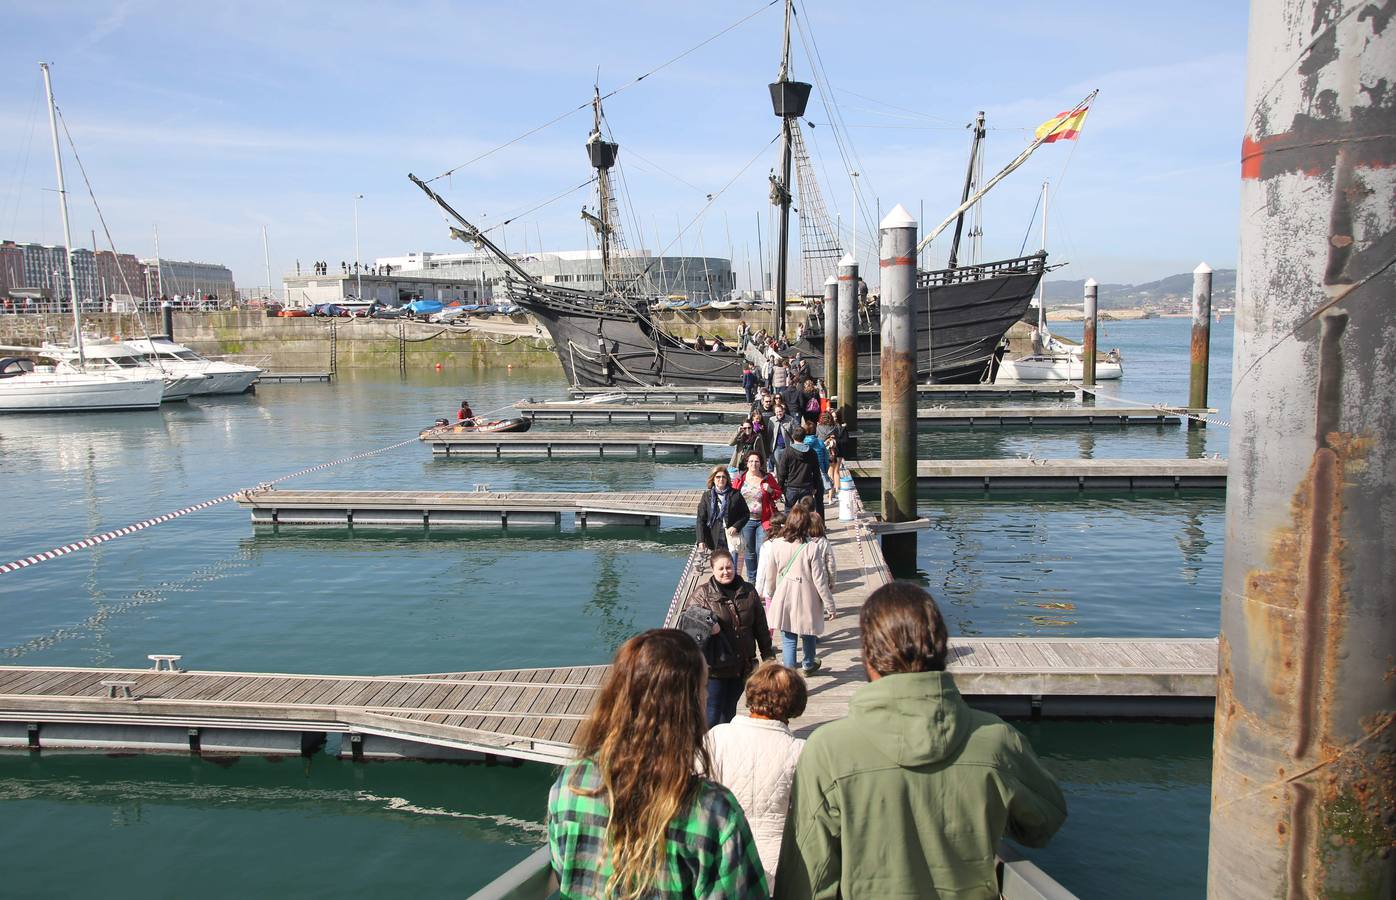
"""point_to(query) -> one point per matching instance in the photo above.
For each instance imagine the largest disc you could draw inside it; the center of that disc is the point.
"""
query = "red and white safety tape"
(105, 536)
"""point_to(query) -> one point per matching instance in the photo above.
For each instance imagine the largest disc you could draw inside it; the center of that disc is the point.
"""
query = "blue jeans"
(753, 536)
(787, 642)
(723, 694)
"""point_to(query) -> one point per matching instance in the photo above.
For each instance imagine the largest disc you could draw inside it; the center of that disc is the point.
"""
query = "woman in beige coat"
(795, 578)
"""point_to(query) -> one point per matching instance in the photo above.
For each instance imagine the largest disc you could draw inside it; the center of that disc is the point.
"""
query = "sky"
(214, 121)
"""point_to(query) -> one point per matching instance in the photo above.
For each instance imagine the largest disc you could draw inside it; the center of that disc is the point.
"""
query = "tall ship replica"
(609, 337)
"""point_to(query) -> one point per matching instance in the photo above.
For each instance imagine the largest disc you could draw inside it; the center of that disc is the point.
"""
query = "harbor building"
(179, 278)
(120, 273)
(390, 290)
(45, 269)
(693, 277)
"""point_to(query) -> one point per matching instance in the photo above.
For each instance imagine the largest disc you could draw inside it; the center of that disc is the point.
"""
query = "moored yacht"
(222, 377)
(23, 389)
(105, 356)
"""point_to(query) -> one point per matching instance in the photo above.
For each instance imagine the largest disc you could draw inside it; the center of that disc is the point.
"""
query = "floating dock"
(465, 509)
(618, 444)
(533, 714)
(935, 417)
(293, 377)
(1058, 474)
(944, 391)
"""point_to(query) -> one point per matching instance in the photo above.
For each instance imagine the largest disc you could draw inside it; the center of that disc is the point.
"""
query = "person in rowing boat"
(465, 413)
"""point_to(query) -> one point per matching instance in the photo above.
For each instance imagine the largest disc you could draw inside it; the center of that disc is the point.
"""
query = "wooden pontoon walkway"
(532, 714)
(936, 417)
(619, 444)
(939, 391)
(437, 509)
(293, 377)
(1058, 474)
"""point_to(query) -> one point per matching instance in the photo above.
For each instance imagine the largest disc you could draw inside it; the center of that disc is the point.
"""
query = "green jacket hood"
(919, 717)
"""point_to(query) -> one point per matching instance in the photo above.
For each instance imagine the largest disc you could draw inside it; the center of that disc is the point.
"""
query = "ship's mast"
(969, 185)
(603, 155)
(63, 209)
(788, 98)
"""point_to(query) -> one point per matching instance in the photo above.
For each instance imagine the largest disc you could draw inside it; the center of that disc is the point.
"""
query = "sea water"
(228, 595)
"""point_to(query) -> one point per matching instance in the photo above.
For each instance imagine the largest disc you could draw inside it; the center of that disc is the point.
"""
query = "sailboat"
(609, 338)
(1052, 359)
(23, 388)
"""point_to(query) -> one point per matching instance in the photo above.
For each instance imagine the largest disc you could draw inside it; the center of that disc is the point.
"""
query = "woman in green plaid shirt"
(633, 817)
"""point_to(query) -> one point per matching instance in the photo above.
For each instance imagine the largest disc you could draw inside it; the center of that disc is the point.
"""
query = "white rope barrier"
(105, 536)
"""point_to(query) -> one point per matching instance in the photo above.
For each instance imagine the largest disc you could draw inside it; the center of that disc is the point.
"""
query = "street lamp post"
(358, 264)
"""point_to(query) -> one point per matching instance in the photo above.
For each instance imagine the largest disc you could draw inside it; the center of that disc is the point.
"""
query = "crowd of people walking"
(675, 795)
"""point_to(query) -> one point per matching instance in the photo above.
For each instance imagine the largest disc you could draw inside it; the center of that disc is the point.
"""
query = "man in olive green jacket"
(911, 793)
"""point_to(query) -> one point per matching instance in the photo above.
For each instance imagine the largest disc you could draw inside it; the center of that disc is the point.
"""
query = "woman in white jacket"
(795, 577)
(754, 756)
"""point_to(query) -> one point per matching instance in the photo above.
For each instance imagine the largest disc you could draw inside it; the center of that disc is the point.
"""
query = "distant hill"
(1166, 292)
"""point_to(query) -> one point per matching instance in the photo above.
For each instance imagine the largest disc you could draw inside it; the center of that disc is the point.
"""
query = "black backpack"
(698, 623)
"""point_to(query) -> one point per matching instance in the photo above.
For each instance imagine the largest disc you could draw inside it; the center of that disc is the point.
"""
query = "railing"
(533, 879)
(1023, 265)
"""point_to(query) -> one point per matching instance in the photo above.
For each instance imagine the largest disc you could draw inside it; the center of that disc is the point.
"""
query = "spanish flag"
(1062, 127)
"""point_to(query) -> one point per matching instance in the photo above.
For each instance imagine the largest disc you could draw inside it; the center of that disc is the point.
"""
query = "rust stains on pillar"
(831, 334)
(847, 386)
(898, 263)
(1304, 762)
(1088, 335)
(1201, 341)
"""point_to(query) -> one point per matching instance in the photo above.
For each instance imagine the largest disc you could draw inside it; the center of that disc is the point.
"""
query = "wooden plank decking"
(613, 444)
(438, 509)
(1057, 474)
(934, 417)
(942, 391)
(533, 714)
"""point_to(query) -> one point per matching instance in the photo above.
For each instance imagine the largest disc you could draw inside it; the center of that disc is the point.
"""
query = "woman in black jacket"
(722, 511)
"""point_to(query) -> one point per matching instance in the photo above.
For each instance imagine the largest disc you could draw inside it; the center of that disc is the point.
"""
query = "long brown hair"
(802, 523)
(645, 733)
(903, 630)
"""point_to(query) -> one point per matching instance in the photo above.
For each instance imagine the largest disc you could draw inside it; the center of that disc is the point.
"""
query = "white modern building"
(692, 277)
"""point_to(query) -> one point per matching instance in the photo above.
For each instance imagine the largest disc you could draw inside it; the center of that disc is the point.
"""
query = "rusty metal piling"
(898, 264)
(1088, 335)
(1201, 341)
(1304, 761)
(831, 334)
(847, 386)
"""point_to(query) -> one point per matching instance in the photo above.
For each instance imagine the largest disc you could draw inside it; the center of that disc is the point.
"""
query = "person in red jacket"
(762, 494)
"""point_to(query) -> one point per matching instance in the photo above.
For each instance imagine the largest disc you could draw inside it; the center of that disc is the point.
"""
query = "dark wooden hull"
(962, 315)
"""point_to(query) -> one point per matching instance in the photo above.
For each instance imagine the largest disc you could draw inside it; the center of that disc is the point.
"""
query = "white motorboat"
(22, 389)
(223, 377)
(1056, 367)
(103, 355)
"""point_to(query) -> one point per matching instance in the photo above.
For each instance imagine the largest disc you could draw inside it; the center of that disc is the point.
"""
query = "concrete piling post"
(831, 334)
(1201, 341)
(167, 318)
(1088, 335)
(897, 258)
(1305, 733)
(848, 343)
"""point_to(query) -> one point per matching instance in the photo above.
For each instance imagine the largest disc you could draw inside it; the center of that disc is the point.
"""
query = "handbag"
(698, 623)
(734, 542)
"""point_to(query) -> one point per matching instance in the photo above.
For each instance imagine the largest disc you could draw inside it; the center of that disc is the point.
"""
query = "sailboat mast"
(63, 209)
(969, 185)
(788, 98)
(159, 267)
(603, 155)
(1042, 285)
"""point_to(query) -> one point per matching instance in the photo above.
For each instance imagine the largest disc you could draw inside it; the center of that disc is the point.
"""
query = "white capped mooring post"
(1201, 341)
(848, 342)
(831, 334)
(1305, 733)
(897, 259)
(1088, 339)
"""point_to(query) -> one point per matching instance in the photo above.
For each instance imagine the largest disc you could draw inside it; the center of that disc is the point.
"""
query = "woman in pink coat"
(794, 577)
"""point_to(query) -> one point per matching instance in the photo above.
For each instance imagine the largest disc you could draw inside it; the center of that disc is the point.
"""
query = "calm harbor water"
(230, 596)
